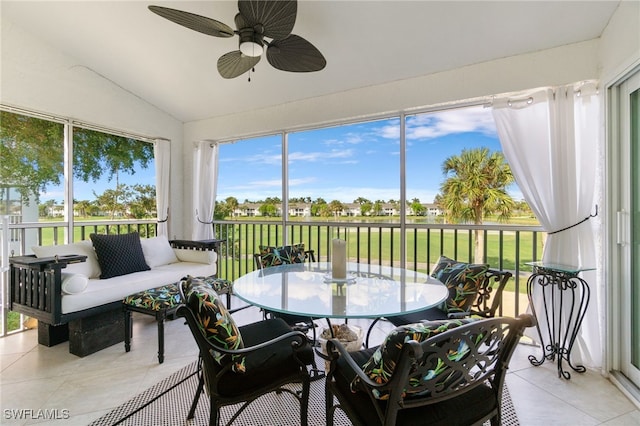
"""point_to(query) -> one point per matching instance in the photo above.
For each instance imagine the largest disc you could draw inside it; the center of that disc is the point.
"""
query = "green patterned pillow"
(462, 280)
(284, 255)
(382, 364)
(214, 321)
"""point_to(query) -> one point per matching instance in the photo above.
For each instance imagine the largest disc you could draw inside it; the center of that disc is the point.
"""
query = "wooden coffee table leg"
(161, 338)
(128, 330)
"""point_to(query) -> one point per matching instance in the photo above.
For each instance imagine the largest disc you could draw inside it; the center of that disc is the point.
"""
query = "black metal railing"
(504, 247)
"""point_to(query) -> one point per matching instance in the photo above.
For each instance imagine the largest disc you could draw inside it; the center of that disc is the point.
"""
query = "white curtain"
(205, 178)
(162, 154)
(551, 138)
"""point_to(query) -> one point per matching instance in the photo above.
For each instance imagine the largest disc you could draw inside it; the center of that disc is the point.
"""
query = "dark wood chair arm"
(196, 245)
(42, 263)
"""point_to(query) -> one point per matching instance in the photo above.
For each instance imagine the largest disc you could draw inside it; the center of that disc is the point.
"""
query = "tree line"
(130, 201)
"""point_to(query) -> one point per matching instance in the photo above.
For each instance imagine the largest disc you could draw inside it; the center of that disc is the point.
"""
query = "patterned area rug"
(168, 403)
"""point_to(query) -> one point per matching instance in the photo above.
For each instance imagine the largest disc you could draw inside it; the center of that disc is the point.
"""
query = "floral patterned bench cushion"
(382, 364)
(156, 299)
(214, 321)
(284, 255)
(168, 296)
(463, 280)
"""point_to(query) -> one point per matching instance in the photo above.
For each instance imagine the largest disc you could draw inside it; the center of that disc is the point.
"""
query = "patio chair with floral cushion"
(448, 372)
(474, 290)
(286, 255)
(240, 364)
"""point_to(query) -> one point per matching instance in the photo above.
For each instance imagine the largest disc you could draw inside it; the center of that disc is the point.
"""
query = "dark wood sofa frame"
(35, 290)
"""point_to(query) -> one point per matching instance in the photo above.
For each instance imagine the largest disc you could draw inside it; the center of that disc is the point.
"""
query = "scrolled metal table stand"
(558, 288)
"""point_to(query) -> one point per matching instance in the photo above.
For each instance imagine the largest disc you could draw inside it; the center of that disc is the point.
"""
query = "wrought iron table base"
(562, 291)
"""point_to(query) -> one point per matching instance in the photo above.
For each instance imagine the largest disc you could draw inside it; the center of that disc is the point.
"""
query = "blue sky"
(357, 160)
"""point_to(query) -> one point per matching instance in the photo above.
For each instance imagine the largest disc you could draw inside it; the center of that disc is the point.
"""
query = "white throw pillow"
(196, 256)
(90, 268)
(157, 251)
(74, 283)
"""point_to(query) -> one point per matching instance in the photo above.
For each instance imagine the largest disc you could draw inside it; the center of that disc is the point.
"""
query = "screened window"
(250, 179)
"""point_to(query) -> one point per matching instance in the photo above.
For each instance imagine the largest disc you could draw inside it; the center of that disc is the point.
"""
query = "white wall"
(34, 76)
(620, 42)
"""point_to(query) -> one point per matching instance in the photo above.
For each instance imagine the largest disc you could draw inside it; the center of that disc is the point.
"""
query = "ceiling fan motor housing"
(251, 38)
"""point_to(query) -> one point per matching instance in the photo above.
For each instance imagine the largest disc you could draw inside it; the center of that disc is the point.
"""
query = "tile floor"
(79, 390)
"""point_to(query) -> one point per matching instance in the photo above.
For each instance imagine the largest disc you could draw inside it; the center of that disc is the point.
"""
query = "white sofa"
(72, 298)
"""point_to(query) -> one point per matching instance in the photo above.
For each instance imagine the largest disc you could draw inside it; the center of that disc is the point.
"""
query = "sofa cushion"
(157, 251)
(381, 366)
(74, 283)
(284, 255)
(90, 267)
(119, 254)
(462, 280)
(196, 256)
(100, 292)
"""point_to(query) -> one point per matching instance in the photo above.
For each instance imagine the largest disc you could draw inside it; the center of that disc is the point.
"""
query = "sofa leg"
(91, 334)
(50, 335)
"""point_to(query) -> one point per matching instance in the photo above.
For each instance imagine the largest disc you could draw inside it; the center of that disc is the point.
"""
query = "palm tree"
(336, 207)
(476, 186)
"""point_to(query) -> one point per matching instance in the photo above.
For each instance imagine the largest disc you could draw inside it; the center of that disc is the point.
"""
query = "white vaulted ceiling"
(365, 43)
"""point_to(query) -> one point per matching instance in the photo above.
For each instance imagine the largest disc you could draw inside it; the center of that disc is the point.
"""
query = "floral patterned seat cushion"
(214, 321)
(382, 364)
(462, 280)
(168, 296)
(156, 299)
(284, 255)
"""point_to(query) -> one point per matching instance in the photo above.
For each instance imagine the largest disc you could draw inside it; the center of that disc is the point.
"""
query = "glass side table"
(565, 297)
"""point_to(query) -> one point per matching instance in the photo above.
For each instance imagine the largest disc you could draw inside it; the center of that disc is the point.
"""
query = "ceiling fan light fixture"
(251, 48)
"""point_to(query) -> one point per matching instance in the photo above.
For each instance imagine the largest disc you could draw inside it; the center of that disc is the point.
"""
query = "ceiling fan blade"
(194, 22)
(234, 64)
(295, 54)
(276, 17)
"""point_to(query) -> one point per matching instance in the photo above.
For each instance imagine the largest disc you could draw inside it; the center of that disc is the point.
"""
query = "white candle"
(339, 259)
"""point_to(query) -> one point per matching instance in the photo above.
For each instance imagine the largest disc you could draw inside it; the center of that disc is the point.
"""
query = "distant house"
(247, 210)
(432, 210)
(298, 209)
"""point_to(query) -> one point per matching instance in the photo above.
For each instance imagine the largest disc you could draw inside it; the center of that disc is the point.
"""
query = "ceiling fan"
(255, 21)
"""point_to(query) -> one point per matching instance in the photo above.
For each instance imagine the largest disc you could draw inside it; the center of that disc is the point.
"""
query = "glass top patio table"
(370, 291)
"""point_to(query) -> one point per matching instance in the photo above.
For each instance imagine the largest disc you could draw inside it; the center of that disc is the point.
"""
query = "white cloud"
(321, 156)
(438, 124)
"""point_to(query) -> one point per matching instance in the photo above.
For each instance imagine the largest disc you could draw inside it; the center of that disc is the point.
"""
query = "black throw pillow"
(119, 254)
